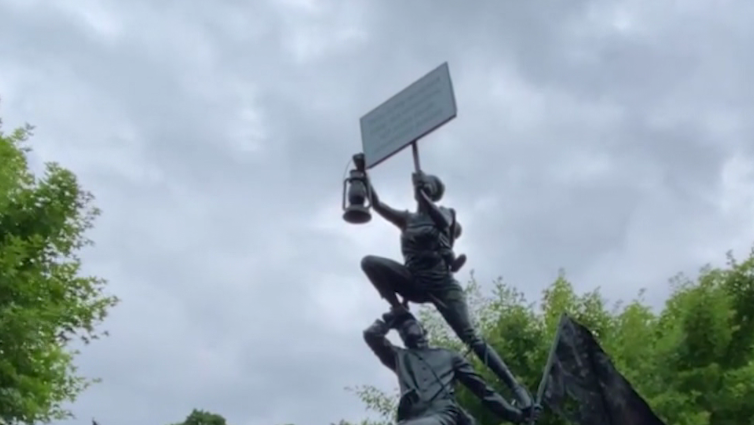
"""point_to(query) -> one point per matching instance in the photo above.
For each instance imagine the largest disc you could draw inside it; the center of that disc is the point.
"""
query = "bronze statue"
(427, 375)
(427, 237)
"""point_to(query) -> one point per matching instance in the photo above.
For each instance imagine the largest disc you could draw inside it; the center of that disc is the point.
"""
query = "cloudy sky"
(609, 138)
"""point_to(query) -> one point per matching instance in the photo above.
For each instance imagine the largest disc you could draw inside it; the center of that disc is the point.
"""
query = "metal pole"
(548, 365)
(415, 152)
(550, 359)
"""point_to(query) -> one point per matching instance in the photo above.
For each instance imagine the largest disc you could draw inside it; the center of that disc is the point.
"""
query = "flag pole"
(548, 365)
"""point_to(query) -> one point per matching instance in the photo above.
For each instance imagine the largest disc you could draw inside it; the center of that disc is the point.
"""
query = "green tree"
(200, 417)
(692, 360)
(45, 302)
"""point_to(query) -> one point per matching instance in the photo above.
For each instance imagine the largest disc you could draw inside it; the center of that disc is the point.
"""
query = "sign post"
(415, 153)
(402, 120)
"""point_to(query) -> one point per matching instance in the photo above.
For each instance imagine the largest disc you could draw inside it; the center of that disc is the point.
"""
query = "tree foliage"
(692, 360)
(45, 301)
(201, 417)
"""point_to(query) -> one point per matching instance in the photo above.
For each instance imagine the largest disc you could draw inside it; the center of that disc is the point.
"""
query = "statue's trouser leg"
(451, 303)
(390, 277)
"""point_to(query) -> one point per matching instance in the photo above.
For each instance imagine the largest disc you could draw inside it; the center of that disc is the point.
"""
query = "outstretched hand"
(531, 413)
(419, 179)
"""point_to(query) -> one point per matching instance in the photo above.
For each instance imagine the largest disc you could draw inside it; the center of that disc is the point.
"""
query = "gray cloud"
(607, 138)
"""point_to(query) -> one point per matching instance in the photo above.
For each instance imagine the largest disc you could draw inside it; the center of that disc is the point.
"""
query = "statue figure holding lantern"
(428, 233)
(426, 276)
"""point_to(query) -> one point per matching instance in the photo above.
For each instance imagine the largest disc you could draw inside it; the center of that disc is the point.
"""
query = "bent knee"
(369, 262)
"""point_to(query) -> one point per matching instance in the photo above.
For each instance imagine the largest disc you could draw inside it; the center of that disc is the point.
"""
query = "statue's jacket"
(427, 378)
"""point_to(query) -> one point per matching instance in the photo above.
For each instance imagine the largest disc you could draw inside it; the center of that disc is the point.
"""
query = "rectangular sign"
(411, 114)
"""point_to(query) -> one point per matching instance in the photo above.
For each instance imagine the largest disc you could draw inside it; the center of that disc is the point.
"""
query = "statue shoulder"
(448, 355)
(443, 351)
(447, 210)
(450, 213)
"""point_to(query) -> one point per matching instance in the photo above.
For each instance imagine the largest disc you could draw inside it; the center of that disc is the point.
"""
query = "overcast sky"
(611, 138)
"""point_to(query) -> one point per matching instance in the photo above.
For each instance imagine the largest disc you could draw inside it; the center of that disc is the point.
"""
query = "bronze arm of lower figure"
(375, 338)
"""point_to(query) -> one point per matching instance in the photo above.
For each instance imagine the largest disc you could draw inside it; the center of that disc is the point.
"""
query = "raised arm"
(382, 348)
(466, 374)
(397, 217)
